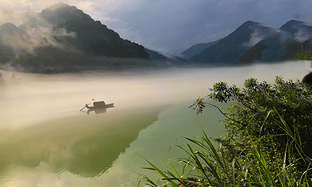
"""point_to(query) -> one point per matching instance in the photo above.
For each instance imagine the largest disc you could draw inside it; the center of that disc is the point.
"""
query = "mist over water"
(45, 139)
(30, 97)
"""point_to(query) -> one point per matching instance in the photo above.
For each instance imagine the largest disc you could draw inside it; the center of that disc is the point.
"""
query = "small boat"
(99, 105)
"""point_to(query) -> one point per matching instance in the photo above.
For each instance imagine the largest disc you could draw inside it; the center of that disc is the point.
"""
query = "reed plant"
(271, 148)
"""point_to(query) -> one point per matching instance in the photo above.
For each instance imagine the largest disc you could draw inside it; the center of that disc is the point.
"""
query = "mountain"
(254, 42)
(62, 38)
(170, 59)
(91, 36)
(286, 42)
(196, 49)
(297, 29)
(6, 52)
(229, 49)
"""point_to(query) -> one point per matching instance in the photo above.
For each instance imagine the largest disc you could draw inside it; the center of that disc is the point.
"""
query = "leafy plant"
(267, 141)
(305, 55)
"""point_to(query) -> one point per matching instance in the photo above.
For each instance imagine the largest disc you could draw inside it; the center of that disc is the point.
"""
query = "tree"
(261, 109)
(267, 142)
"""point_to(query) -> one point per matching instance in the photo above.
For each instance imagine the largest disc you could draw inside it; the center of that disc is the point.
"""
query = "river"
(46, 141)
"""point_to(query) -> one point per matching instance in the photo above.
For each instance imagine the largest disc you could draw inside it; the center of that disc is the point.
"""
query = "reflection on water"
(81, 145)
(157, 142)
(46, 141)
(97, 111)
(36, 98)
(79, 157)
(98, 107)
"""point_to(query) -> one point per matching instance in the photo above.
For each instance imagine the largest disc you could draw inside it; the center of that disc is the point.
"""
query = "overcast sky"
(174, 25)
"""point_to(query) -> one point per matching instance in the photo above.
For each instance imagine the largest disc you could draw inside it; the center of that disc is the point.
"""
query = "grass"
(251, 165)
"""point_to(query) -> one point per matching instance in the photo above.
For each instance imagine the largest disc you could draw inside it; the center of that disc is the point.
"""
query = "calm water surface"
(46, 141)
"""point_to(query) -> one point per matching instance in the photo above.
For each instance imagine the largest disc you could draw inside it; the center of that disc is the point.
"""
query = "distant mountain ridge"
(284, 44)
(169, 59)
(196, 49)
(254, 42)
(62, 38)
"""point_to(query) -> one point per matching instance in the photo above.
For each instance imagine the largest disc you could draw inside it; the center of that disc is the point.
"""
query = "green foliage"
(267, 141)
(305, 55)
(211, 167)
(253, 111)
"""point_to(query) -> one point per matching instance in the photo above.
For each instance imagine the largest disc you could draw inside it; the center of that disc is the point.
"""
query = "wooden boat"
(99, 105)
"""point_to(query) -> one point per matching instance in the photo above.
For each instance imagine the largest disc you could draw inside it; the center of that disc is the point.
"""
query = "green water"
(157, 142)
(46, 141)
(98, 150)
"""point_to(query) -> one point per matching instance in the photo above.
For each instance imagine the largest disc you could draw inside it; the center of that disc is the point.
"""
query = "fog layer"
(45, 139)
(29, 98)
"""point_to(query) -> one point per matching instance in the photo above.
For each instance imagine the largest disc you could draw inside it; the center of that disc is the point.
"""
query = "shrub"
(279, 114)
(267, 142)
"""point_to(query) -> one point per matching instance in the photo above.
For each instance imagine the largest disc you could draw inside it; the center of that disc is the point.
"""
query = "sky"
(171, 26)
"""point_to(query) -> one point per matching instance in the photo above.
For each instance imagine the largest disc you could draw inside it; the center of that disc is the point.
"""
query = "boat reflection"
(98, 111)
(98, 107)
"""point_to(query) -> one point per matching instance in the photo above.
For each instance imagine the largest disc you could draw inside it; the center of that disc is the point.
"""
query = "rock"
(307, 79)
